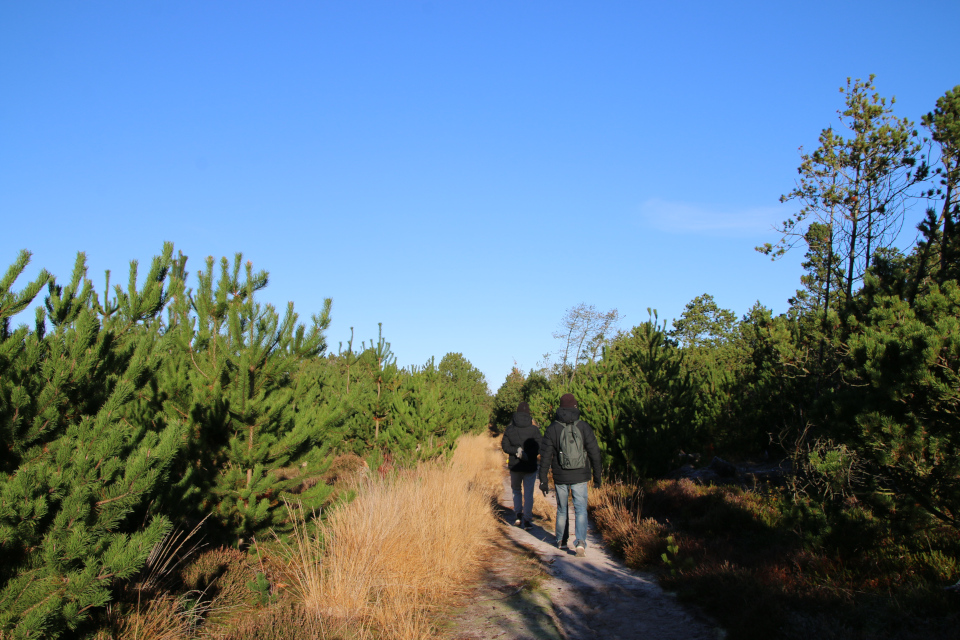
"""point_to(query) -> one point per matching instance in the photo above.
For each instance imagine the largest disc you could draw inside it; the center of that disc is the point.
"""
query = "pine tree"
(235, 378)
(417, 429)
(81, 463)
(464, 395)
(814, 299)
(640, 399)
(382, 365)
(508, 396)
(703, 324)
(939, 228)
(900, 398)
(538, 392)
(855, 186)
(368, 380)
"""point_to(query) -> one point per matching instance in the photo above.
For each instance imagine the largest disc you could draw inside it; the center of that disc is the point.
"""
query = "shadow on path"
(577, 598)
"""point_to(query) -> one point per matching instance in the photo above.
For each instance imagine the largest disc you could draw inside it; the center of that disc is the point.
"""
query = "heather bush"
(772, 566)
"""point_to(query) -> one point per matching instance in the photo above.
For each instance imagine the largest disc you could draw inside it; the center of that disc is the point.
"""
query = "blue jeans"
(523, 502)
(579, 491)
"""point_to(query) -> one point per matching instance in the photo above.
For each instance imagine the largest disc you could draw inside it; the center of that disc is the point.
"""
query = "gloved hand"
(520, 453)
(544, 487)
(596, 483)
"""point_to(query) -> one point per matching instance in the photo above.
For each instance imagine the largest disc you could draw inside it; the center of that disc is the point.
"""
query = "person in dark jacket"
(522, 441)
(570, 481)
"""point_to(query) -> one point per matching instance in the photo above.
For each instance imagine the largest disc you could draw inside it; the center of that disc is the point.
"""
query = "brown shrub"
(220, 578)
(348, 469)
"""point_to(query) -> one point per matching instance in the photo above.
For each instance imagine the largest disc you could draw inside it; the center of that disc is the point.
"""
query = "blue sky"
(462, 172)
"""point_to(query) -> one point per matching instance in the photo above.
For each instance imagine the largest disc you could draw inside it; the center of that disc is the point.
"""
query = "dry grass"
(383, 564)
(765, 572)
(148, 608)
(282, 622)
(617, 509)
(159, 619)
(223, 576)
(479, 460)
(545, 509)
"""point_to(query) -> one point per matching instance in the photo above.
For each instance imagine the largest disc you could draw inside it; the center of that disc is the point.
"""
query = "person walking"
(522, 441)
(569, 449)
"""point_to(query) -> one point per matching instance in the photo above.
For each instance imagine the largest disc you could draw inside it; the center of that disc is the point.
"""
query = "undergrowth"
(770, 567)
(382, 562)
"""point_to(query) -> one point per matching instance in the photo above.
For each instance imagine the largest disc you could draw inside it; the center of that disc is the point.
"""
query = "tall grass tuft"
(146, 605)
(161, 618)
(383, 564)
(617, 510)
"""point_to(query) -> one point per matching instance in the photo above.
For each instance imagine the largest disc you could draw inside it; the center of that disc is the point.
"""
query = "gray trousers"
(523, 500)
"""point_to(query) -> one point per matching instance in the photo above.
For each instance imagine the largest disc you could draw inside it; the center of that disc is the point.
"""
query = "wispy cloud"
(685, 217)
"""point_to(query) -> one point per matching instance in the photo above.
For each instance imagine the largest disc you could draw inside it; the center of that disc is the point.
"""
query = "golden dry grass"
(616, 510)
(544, 508)
(385, 563)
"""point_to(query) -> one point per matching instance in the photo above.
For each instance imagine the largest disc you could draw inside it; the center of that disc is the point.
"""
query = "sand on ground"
(536, 591)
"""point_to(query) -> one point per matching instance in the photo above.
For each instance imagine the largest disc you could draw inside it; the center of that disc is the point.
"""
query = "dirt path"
(537, 591)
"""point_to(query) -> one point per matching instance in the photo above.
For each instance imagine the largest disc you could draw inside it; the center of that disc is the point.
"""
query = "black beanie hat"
(523, 407)
(567, 401)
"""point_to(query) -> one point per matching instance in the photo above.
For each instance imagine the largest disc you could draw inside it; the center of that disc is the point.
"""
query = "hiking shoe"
(581, 550)
(527, 525)
(519, 520)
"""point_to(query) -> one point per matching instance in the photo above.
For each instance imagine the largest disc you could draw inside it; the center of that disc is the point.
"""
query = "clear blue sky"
(462, 172)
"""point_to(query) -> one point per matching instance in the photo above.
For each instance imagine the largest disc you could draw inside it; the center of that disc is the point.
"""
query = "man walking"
(522, 441)
(569, 448)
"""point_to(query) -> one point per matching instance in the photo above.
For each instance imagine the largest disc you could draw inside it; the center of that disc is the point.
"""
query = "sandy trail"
(579, 598)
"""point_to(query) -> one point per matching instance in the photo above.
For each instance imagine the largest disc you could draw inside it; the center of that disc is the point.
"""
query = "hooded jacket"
(550, 449)
(522, 433)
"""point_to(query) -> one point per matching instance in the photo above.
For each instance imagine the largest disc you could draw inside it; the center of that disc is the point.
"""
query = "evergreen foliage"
(856, 186)
(84, 454)
(873, 389)
(154, 404)
(508, 396)
(638, 399)
(899, 402)
(244, 361)
(856, 384)
(464, 395)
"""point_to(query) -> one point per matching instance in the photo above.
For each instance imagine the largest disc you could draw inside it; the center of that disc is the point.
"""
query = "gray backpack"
(572, 454)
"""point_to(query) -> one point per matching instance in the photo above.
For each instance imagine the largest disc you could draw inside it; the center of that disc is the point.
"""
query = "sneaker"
(527, 525)
(581, 550)
(519, 520)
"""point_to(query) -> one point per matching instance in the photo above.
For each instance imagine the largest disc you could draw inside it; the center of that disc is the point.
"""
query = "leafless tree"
(584, 331)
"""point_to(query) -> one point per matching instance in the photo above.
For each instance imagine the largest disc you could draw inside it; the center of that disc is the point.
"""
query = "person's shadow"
(546, 536)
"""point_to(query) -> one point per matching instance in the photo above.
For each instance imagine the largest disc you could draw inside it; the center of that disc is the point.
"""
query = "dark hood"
(568, 414)
(522, 419)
